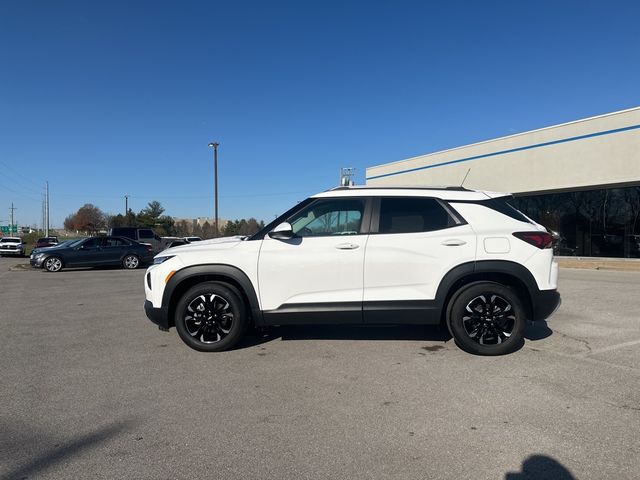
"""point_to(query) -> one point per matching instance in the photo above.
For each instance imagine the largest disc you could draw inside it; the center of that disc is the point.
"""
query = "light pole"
(214, 145)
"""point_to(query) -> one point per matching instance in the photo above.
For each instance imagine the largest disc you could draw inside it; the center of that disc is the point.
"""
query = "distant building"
(580, 179)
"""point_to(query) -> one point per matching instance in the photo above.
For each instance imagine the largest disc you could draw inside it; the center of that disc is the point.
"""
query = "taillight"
(537, 239)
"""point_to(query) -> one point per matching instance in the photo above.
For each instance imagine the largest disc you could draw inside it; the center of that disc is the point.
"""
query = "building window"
(591, 223)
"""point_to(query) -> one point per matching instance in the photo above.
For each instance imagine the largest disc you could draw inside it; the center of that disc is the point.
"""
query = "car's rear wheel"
(211, 317)
(131, 262)
(487, 318)
(53, 264)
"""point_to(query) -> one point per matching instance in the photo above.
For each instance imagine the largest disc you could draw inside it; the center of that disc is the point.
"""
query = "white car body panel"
(491, 225)
(311, 270)
(222, 251)
(410, 266)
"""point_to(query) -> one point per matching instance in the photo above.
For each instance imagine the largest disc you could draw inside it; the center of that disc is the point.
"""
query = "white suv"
(11, 246)
(366, 255)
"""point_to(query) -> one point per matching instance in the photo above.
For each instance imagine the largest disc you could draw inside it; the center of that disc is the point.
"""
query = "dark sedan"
(93, 252)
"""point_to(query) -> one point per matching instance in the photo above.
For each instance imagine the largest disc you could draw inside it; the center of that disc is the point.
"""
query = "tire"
(487, 318)
(204, 331)
(52, 264)
(130, 262)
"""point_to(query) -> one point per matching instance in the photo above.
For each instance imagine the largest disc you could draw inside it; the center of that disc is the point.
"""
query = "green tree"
(242, 227)
(207, 230)
(151, 217)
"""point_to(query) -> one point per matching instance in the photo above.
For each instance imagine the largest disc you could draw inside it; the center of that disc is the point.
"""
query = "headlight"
(159, 260)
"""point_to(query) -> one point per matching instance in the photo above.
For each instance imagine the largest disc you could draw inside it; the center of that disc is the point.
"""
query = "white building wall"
(597, 151)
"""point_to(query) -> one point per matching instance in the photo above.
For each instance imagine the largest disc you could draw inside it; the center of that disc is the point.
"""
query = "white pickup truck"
(11, 246)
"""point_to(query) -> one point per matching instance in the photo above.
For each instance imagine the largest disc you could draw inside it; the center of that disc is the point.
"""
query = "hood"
(52, 247)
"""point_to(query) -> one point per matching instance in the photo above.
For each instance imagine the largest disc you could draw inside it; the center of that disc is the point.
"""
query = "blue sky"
(104, 99)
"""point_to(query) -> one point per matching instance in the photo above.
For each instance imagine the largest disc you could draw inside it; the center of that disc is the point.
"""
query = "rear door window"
(411, 215)
(114, 242)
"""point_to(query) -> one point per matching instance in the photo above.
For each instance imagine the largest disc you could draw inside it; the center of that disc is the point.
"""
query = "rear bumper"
(545, 303)
(156, 315)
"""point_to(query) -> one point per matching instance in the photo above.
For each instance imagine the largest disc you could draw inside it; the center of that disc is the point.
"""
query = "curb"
(21, 267)
(590, 263)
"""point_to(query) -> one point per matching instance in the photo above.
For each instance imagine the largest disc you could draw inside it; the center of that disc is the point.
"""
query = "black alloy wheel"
(211, 317)
(487, 318)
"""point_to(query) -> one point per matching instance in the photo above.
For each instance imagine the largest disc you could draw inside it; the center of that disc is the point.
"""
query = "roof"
(444, 193)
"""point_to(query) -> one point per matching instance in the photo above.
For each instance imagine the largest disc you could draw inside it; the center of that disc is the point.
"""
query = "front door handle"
(347, 246)
(453, 242)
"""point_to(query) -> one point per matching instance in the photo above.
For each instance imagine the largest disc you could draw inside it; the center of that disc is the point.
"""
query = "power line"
(7, 169)
(19, 193)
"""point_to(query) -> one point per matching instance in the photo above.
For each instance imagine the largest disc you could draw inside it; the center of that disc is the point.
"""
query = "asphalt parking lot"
(91, 389)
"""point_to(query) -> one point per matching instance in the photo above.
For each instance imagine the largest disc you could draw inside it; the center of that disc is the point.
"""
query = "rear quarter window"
(503, 205)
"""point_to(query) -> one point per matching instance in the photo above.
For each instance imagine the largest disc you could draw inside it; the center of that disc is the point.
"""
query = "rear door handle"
(347, 246)
(453, 242)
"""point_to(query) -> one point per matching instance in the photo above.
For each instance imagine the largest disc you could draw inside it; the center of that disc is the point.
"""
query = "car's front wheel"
(53, 264)
(487, 318)
(131, 262)
(211, 317)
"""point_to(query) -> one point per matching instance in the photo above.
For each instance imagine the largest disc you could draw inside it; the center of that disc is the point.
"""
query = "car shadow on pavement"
(533, 331)
(541, 467)
(348, 332)
(537, 330)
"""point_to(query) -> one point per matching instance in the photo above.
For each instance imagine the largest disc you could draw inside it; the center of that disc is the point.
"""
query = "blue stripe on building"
(512, 150)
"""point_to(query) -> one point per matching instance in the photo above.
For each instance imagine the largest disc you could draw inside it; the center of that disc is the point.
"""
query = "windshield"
(10, 240)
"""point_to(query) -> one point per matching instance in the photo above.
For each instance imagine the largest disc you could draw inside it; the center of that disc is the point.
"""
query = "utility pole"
(46, 232)
(11, 224)
(214, 145)
(126, 205)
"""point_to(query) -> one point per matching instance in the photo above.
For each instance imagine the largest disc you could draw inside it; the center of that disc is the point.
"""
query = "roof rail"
(405, 187)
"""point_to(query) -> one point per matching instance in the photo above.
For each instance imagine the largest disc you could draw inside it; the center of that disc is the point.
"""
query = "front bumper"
(158, 316)
(18, 253)
(545, 303)
(36, 262)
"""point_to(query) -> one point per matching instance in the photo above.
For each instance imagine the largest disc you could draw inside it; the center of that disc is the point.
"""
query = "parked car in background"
(11, 246)
(46, 242)
(143, 235)
(183, 241)
(94, 252)
(177, 243)
(58, 245)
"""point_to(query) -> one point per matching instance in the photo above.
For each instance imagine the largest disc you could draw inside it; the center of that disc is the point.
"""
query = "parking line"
(585, 358)
(607, 349)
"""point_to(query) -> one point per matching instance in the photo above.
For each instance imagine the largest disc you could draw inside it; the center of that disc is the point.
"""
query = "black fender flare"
(216, 271)
(477, 268)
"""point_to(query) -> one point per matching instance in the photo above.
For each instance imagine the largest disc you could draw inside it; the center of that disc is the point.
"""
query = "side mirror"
(284, 231)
